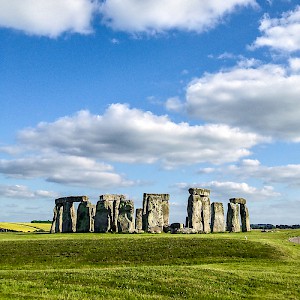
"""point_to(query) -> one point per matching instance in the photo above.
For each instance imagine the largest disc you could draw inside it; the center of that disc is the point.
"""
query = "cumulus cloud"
(155, 16)
(280, 33)
(287, 174)
(224, 190)
(47, 17)
(64, 169)
(23, 192)
(128, 135)
(263, 99)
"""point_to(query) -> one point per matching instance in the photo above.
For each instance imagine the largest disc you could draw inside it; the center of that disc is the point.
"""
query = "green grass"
(26, 227)
(165, 266)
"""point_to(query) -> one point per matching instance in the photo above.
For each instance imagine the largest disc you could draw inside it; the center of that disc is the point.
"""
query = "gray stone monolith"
(102, 217)
(194, 208)
(245, 220)
(107, 213)
(126, 216)
(59, 218)
(206, 214)
(155, 212)
(85, 217)
(139, 219)
(69, 217)
(233, 214)
(217, 217)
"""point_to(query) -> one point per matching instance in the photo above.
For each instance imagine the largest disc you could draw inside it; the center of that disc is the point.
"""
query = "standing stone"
(125, 216)
(107, 213)
(206, 214)
(64, 219)
(85, 217)
(217, 217)
(69, 217)
(139, 219)
(102, 217)
(245, 218)
(194, 212)
(59, 218)
(155, 212)
(233, 221)
(53, 225)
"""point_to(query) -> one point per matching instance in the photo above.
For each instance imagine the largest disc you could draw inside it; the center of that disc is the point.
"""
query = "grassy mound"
(112, 266)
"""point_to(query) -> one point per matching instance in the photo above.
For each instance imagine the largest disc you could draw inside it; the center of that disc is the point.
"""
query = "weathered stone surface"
(217, 217)
(174, 227)
(233, 221)
(54, 220)
(155, 212)
(200, 192)
(125, 216)
(139, 219)
(194, 209)
(71, 199)
(59, 218)
(102, 217)
(85, 217)
(69, 217)
(238, 200)
(205, 214)
(245, 218)
(107, 213)
(186, 231)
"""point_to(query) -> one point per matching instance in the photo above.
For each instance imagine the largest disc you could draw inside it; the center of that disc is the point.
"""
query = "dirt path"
(295, 240)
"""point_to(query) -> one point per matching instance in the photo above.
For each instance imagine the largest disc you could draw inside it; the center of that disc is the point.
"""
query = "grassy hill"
(25, 227)
(115, 266)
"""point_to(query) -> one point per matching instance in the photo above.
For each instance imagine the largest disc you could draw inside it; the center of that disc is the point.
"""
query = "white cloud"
(280, 33)
(174, 104)
(287, 174)
(224, 190)
(64, 169)
(264, 99)
(23, 192)
(47, 17)
(294, 64)
(128, 135)
(155, 16)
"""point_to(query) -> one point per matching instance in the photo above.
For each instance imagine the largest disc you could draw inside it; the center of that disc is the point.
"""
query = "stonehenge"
(115, 213)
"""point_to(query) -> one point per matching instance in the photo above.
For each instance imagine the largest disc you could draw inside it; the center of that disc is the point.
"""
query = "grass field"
(144, 266)
(26, 227)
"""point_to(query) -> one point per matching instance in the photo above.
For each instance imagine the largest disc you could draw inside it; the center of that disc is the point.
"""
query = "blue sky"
(151, 96)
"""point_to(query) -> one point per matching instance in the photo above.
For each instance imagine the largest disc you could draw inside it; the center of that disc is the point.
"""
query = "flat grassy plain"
(122, 266)
(26, 227)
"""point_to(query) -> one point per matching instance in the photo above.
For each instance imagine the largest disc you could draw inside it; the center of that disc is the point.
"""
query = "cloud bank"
(263, 99)
(48, 17)
(128, 135)
(155, 16)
